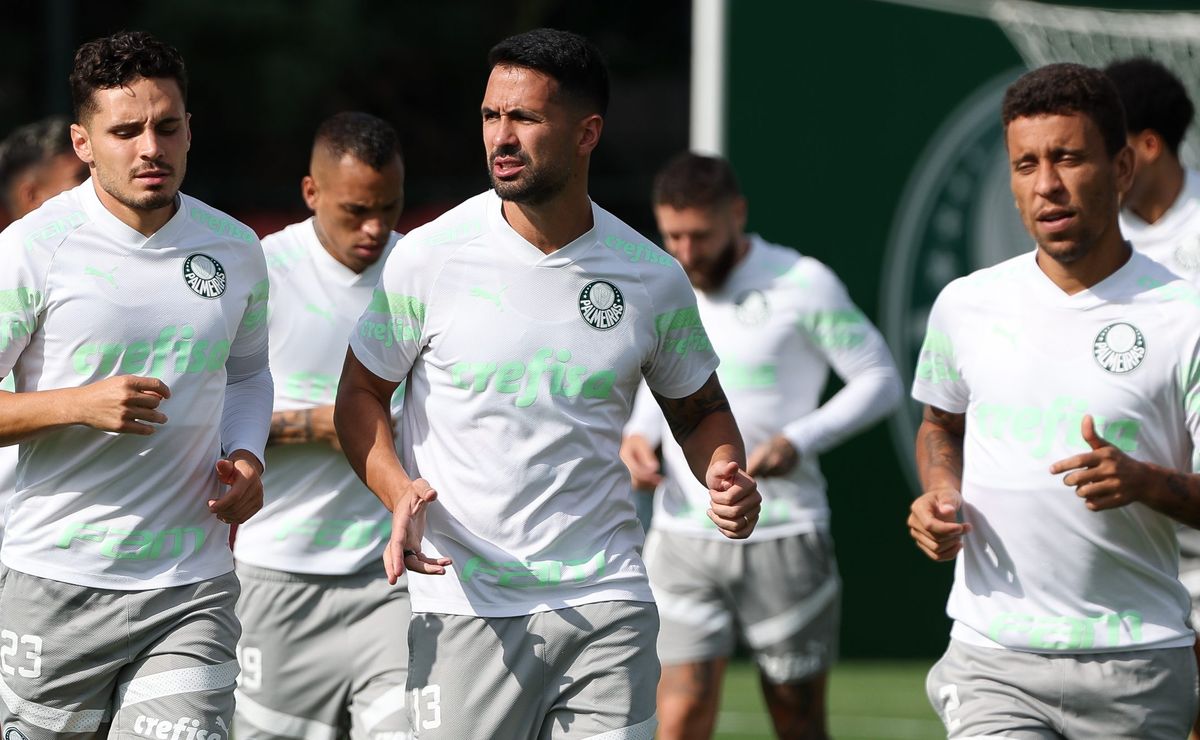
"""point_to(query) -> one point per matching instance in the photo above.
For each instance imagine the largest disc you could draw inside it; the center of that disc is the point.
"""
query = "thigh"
(61, 649)
(602, 671)
(697, 619)
(293, 655)
(378, 631)
(474, 677)
(788, 604)
(992, 693)
(180, 683)
(1142, 695)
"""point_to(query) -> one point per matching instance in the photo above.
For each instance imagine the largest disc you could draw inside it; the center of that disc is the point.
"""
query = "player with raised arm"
(523, 327)
(779, 321)
(1063, 403)
(134, 322)
(318, 649)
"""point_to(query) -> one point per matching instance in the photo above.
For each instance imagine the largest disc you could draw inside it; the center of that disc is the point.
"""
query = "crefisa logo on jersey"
(204, 275)
(1119, 347)
(601, 304)
(752, 307)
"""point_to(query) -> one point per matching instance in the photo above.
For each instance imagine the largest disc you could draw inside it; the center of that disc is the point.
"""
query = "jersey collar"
(124, 234)
(520, 248)
(329, 268)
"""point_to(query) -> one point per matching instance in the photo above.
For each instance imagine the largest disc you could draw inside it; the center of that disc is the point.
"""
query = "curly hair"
(117, 60)
(1068, 89)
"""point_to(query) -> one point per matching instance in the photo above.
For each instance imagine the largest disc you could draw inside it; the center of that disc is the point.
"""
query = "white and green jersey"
(779, 323)
(318, 517)
(522, 368)
(84, 297)
(8, 465)
(1174, 239)
(1025, 362)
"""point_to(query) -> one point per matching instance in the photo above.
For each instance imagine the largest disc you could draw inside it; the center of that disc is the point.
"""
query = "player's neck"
(1159, 191)
(555, 223)
(145, 222)
(1105, 257)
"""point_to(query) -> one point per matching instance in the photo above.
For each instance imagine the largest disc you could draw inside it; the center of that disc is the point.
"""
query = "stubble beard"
(151, 201)
(534, 186)
(714, 275)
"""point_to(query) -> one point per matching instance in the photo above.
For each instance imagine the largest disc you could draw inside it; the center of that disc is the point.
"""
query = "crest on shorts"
(752, 308)
(204, 275)
(1119, 347)
(13, 733)
(601, 304)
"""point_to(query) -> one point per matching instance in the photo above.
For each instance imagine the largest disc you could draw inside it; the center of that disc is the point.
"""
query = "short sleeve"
(682, 358)
(22, 295)
(391, 331)
(938, 380)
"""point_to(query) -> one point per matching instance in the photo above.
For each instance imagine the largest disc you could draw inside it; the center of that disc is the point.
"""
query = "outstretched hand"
(1105, 477)
(934, 526)
(735, 500)
(403, 551)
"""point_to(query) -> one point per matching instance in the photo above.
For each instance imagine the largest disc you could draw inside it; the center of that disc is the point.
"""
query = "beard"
(534, 185)
(713, 274)
(151, 201)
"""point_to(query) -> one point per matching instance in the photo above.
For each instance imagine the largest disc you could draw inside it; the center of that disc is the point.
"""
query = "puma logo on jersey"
(489, 296)
(1007, 334)
(108, 277)
(524, 379)
(322, 312)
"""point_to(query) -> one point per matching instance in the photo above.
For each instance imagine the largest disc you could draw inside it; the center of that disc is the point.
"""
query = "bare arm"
(932, 519)
(708, 434)
(126, 403)
(304, 425)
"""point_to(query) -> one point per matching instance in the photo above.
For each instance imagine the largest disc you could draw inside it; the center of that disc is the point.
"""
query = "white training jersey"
(84, 297)
(1024, 361)
(522, 368)
(8, 465)
(317, 516)
(1174, 239)
(779, 323)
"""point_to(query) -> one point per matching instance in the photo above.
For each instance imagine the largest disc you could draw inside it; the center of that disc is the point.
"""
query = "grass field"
(868, 701)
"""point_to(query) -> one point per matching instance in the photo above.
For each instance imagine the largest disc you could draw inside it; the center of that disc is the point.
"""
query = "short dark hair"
(368, 139)
(1154, 99)
(570, 59)
(117, 60)
(1068, 89)
(29, 146)
(695, 181)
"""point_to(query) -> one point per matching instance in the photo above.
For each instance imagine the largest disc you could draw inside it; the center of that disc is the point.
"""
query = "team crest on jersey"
(1119, 347)
(204, 275)
(601, 304)
(752, 307)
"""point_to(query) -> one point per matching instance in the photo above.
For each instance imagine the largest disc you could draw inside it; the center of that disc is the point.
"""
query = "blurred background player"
(523, 334)
(1160, 214)
(779, 321)
(134, 322)
(320, 648)
(1062, 392)
(37, 162)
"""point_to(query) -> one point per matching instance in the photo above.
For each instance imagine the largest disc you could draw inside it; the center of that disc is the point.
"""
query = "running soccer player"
(779, 321)
(1063, 400)
(523, 323)
(37, 162)
(134, 321)
(318, 649)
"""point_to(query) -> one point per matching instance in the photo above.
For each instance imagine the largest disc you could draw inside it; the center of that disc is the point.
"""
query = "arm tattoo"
(940, 443)
(685, 414)
(291, 427)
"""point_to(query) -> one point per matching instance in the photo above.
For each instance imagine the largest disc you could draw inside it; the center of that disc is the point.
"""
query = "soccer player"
(1063, 398)
(134, 321)
(37, 162)
(319, 649)
(523, 320)
(1160, 214)
(779, 321)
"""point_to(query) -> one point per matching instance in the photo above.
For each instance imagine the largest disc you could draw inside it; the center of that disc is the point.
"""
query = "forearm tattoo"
(940, 442)
(291, 427)
(684, 415)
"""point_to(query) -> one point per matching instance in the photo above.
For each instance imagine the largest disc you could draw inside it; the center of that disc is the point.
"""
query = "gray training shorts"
(780, 596)
(153, 664)
(984, 692)
(568, 674)
(322, 657)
